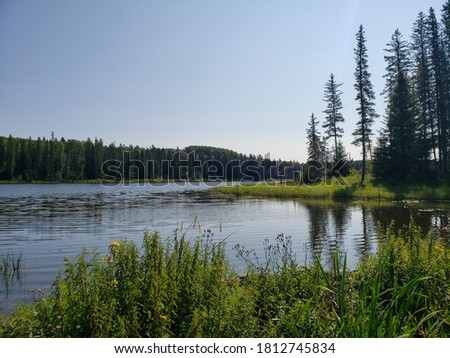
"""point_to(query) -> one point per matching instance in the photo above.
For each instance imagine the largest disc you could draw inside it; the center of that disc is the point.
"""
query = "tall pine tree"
(446, 58)
(333, 115)
(314, 142)
(395, 155)
(365, 96)
(314, 170)
(400, 161)
(438, 87)
(422, 91)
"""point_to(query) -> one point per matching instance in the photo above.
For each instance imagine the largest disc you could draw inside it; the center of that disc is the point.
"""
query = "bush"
(181, 288)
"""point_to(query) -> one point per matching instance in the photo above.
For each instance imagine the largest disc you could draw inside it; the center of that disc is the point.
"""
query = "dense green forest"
(65, 160)
(414, 141)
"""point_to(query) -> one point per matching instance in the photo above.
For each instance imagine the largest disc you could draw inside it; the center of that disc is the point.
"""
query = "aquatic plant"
(10, 268)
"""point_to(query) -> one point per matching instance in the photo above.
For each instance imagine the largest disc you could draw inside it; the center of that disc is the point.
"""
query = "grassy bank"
(348, 190)
(176, 288)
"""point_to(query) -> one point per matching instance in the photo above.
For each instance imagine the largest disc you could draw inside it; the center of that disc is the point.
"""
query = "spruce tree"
(365, 96)
(397, 59)
(438, 87)
(395, 155)
(446, 58)
(314, 170)
(333, 115)
(422, 88)
(314, 142)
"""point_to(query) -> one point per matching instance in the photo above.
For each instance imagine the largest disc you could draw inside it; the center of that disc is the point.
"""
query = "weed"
(186, 288)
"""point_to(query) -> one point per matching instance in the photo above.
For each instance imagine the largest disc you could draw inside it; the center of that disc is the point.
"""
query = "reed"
(10, 268)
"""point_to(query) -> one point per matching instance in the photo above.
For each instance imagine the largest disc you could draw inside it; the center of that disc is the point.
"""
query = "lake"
(43, 224)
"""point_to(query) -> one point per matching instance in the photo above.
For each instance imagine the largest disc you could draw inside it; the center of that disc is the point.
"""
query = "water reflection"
(318, 222)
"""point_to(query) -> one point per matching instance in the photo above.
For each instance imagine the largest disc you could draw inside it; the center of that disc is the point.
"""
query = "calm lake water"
(46, 223)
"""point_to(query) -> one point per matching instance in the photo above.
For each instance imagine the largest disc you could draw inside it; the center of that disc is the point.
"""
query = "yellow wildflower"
(115, 282)
(439, 248)
(114, 247)
(163, 317)
(106, 258)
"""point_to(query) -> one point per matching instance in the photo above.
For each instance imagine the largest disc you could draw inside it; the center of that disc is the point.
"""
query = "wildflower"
(114, 246)
(115, 282)
(163, 317)
(106, 258)
(439, 248)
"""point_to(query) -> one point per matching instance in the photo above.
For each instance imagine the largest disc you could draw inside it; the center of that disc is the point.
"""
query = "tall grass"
(182, 288)
(340, 190)
(10, 268)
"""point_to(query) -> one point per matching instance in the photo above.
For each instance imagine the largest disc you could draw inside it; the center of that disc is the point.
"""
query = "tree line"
(414, 142)
(58, 160)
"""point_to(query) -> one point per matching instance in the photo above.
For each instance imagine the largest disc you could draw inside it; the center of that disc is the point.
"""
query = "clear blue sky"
(244, 75)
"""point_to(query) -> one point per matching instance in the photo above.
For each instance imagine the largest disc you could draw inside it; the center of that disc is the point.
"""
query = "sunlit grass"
(344, 189)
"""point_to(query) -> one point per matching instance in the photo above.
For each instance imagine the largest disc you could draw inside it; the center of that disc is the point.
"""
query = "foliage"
(314, 140)
(334, 117)
(177, 288)
(365, 97)
(414, 143)
(42, 160)
(396, 155)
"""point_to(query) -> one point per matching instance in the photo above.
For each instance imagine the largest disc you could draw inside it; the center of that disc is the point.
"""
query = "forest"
(414, 143)
(75, 160)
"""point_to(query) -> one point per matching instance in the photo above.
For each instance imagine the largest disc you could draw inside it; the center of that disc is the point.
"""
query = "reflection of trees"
(341, 216)
(400, 216)
(325, 237)
(441, 219)
(318, 218)
(364, 246)
(328, 225)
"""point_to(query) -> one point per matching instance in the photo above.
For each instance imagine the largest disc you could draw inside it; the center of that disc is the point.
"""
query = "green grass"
(181, 288)
(348, 190)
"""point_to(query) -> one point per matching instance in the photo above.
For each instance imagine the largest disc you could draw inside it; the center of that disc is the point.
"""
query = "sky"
(244, 75)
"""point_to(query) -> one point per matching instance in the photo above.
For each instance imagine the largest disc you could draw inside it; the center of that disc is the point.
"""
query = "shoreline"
(338, 193)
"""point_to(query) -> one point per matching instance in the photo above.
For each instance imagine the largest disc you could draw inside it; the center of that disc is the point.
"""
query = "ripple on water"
(51, 222)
